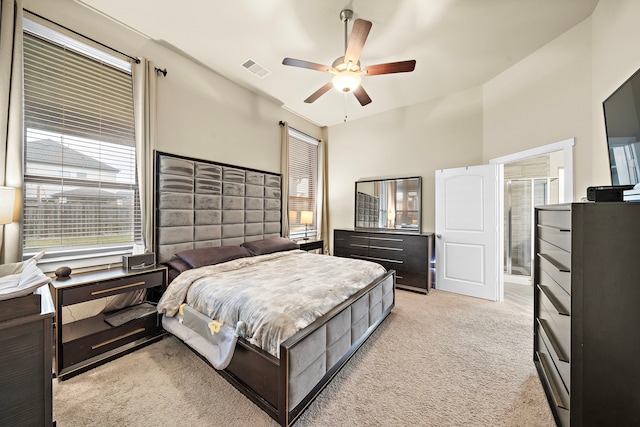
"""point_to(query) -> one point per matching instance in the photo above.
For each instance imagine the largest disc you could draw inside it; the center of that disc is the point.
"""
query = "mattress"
(275, 295)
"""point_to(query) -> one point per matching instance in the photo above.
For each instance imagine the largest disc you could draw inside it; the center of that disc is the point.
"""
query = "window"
(80, 188)
(303, 177)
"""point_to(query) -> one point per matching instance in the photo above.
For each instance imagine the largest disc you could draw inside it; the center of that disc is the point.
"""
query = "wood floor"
(521, 294)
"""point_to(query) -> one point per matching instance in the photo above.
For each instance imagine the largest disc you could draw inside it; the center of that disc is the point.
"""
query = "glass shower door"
(521, 195)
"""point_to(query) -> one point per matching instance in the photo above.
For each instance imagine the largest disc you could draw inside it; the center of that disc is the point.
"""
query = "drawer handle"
(387, 249)
(555, 263)
(556, 304)
(389, 239)
(377, 259)
(356, 245)
(112, 340)
(552, 341)
(117, 288)
(552, 385)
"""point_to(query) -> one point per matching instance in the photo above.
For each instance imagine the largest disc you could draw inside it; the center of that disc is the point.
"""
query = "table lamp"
(306, 218)
(7, 200)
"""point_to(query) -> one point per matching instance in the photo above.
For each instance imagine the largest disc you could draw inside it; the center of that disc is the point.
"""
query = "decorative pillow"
(270, 245)
(213, 255)
(179, 265)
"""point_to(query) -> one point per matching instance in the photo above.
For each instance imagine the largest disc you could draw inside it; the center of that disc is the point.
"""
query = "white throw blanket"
(276, 295)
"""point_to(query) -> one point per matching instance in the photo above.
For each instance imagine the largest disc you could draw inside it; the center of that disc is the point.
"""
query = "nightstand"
(311, 245)
(25, 360)
(86, 343)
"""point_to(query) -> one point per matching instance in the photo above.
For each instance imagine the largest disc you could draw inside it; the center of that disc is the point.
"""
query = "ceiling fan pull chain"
(345, 107)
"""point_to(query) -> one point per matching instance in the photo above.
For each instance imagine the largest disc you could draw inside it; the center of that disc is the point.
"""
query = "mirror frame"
(395, 229)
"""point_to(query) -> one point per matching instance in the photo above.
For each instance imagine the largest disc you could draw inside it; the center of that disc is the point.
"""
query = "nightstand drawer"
(106, 288)
(88, 346)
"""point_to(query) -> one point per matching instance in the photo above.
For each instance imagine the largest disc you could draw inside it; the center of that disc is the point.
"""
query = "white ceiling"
(458, 44)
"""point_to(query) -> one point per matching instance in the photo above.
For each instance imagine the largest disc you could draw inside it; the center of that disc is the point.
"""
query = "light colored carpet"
(438, 360)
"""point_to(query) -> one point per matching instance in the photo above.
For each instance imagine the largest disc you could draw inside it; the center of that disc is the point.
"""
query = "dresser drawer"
(560, 360)
(559, 257)
(555, 218)
(558, 325)
(396, 240)
(555, 236)
(85, 347)
(343, 238)
(411, 279)
(401, 259)
(106, 288)
(560, 395)
(561, 299)
(551, 270)
(352, 252)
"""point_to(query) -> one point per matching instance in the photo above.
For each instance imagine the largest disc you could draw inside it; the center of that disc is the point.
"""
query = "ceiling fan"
(347, 70)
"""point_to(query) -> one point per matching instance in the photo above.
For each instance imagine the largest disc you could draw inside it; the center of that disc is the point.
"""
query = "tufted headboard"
(199, 203)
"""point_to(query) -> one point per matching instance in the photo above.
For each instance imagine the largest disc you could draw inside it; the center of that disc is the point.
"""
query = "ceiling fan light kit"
(346, 70)
(346, 81)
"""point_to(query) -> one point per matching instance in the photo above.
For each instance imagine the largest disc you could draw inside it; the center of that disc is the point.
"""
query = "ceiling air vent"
(256, 68)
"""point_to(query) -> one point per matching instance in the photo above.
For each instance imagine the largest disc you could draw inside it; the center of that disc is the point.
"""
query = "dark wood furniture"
(586, 313)
(409, 254)
(26, 333)
(86, 343)
(311, 245)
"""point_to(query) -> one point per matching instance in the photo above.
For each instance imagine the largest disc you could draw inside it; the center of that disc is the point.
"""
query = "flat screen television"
(622, 122)
(392, 204)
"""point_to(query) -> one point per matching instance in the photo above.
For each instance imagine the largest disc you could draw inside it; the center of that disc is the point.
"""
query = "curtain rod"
(137, 61)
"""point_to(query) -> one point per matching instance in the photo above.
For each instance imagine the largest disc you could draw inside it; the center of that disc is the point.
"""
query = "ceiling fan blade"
(390, 68)
(305, 64)
(358, 36)
(317, 94)
(362, 96)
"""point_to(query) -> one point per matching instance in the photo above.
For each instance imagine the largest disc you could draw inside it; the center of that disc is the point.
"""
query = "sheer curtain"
(11, 121)
(323, 204)
(284, 170)
(145, 81)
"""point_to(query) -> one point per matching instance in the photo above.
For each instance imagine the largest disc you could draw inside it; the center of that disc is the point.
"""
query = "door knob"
(439, 236)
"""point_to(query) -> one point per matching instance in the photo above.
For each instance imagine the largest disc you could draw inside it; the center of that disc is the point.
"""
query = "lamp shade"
(306, 217)
(7, 200)
(346, 81)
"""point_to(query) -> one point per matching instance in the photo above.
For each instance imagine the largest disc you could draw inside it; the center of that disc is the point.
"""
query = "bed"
(226, 210)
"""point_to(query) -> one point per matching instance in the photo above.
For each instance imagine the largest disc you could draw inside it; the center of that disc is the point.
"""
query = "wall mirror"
(389, 204)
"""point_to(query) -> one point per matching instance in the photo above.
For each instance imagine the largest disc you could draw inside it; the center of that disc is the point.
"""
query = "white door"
(468, 231)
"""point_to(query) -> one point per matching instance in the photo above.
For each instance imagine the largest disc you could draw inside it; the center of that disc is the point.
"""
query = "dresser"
(26, 360)
(409, 254)
(85, 343)
(587, 311)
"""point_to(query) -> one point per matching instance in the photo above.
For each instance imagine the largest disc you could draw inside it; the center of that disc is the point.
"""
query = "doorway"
(543, 175)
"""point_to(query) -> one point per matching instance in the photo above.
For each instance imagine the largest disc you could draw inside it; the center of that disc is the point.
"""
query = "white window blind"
(303, 179)
(80, 191)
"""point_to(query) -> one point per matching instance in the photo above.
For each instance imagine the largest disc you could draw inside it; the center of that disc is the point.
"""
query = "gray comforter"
(276, 295)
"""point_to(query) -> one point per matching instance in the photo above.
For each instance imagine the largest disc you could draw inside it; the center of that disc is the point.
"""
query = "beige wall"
(412, 141)
(543, 99)
(200, 114)
(615, 57)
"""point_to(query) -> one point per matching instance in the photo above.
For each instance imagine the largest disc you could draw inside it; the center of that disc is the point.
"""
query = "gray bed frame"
(200, 203)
